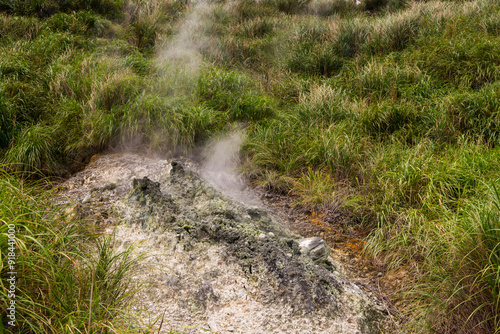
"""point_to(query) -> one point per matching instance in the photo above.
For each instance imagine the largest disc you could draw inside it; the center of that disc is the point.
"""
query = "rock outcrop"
(214, 263)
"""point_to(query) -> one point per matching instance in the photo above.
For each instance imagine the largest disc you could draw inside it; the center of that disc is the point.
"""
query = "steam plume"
(182, 52)
(221, 160)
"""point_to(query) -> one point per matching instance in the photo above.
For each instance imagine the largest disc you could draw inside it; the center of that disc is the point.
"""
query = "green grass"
(387, 110)
(69, 280)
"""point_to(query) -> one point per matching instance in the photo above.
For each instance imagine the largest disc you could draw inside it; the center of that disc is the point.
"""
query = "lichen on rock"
(147, 206)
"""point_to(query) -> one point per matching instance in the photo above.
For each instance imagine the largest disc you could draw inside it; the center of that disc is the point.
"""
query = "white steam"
(220, 168)
(180, 59)
(182, 52)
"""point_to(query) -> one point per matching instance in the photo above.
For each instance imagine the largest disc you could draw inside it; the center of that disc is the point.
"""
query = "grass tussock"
(69, 279)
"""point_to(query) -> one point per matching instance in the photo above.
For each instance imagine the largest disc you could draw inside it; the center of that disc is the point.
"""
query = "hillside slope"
(386, 111)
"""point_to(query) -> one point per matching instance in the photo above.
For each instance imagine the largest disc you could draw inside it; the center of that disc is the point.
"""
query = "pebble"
(86, 199)
(213, 326)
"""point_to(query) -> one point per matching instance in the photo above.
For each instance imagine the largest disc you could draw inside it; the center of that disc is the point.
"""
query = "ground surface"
(195, 285)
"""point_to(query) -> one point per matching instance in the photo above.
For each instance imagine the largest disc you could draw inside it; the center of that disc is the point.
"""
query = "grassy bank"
(388, 110)
(63, 277)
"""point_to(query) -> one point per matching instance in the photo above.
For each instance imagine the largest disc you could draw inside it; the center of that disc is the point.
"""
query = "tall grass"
(68, 278)
(44, 8)
(459, 291)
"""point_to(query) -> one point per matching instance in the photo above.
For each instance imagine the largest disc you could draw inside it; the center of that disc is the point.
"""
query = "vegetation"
(388, 110)
(68, 279)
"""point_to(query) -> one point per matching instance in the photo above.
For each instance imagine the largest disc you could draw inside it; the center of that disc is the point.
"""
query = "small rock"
(213, 326)
(110, 186)
(271, 234)
(315, 248)
(86, 199)
(380, 274)
(176, 167)
(261, 237)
